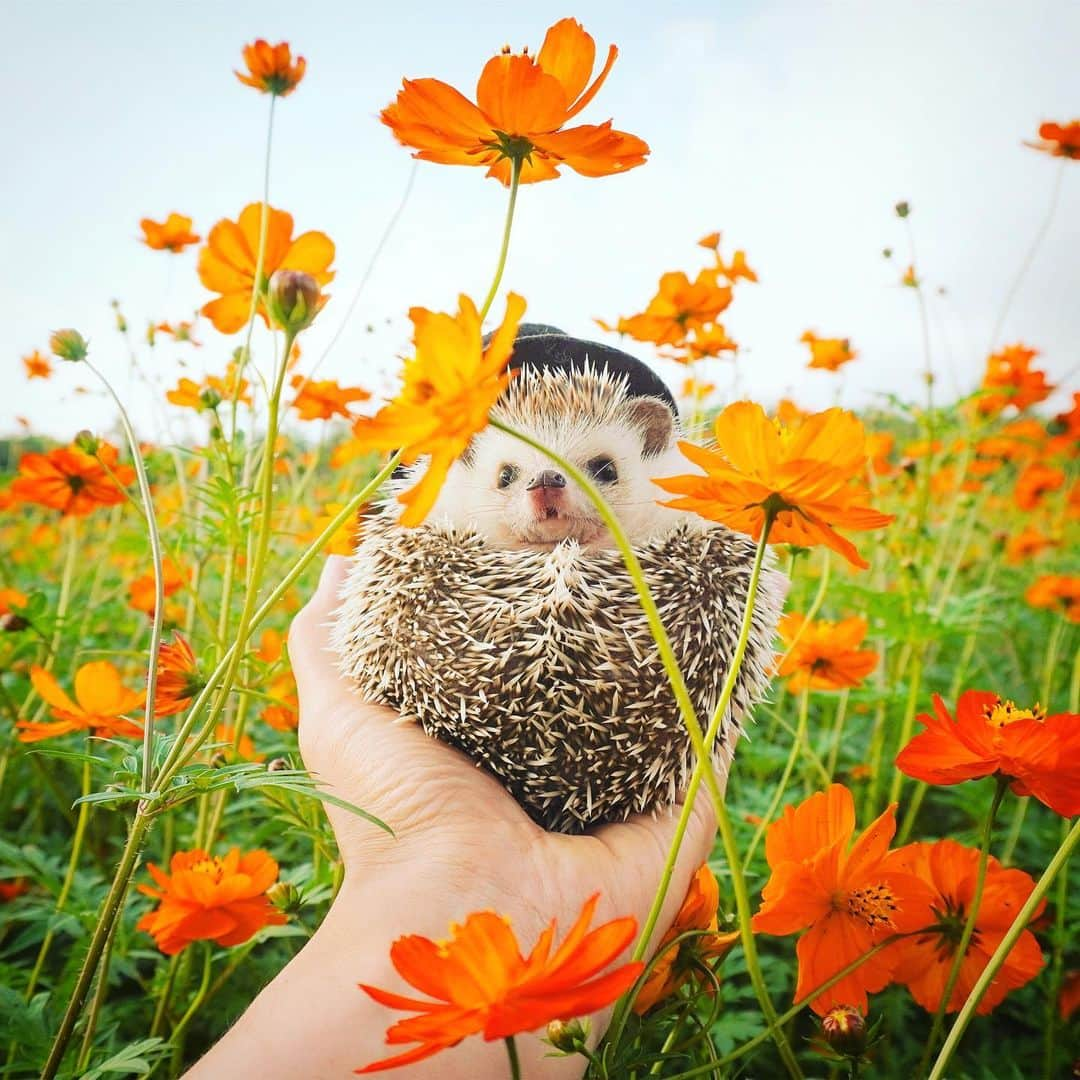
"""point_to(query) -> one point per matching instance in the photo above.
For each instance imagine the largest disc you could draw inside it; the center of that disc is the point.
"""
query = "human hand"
(461, 843)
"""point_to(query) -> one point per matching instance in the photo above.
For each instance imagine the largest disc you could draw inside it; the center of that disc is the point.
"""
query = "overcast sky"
(793, 127)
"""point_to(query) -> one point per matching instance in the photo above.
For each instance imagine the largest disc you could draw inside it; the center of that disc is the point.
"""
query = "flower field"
(889, 891)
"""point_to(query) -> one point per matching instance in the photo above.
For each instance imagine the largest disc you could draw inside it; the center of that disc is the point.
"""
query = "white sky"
(792, 126)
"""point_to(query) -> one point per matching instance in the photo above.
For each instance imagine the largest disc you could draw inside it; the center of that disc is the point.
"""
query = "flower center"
(874, 904)
(1005, 712)
(210, 867)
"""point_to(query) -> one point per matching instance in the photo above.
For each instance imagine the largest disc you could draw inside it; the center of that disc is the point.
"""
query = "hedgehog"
(507, 625)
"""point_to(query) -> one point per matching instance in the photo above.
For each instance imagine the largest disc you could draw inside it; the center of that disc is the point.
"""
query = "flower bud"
(87, 442)
(68, 345)
(284, 895)
(569, 1036)
(278, 764)
(292, 298)
(209, 397)
(903, 209)
(10, 623)
(844, 1028)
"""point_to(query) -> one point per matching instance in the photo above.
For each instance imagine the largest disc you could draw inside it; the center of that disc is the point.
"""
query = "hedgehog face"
(515, 497)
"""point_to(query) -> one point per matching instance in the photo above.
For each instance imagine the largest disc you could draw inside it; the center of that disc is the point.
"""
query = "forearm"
(314, 1021)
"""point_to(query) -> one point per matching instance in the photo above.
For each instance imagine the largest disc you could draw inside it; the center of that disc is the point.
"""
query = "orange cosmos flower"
(679, 307)
(828, 353)
(38, 365)
(1039, 754)
(1009, 380)
(925, 960)
(1034, 482)
(909, 279)
(344, 541)
(1060, 140)
(879, 447)
(703, 344)
(173, 234)
(182, 331)
(737, 268)
(321, 400)
(1069, 998)
(848, 897)
(11, 598)
(523, 105)
(696, 389)
(483, 985)
(179, 679)
(1058, 592)
(284, 715)
(227, 263)
(12, 890)
(824, 655)
(72, 481)
(675, 966)
(206, 898)
(1025, 544)
(1069, 421)
(141, 590)
(449, 387)
(811, 475)
(101, 700)
(211, 392)
(271, 69)
(710, 241)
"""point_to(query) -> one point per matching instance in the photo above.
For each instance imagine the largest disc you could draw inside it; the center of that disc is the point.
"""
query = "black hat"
(541, 347)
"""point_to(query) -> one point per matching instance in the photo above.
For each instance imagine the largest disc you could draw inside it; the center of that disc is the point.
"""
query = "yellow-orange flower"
(522, 106)
(214, 388)
(324, 399)
(810, 476)
(284, 714)
(679, 307)
(38, 365)
(1036, 481)
(173, 234)
(703, 343)
(449, 387)
(696, 389)
(1026, 543)
(1060, 140)
(72, 481)
(101, 700)
(824, 655)
(182, 331)
(483, 985)
(141, 591)
(10, 598)
(206, 898)
(179, 678)
(227, 263)
(271, 68)
(828, 353)
(675, 965)
(1010, 380)
(1058, 592)
(343, 542)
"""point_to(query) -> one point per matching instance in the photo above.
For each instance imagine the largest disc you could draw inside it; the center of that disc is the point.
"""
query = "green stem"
(515, 177)
(69, 880)
(1057, 966)
(969, 926)
(1019, 925)
(908, 723)
(197, 1000)
(785, 776)
(159, 585)
(256, 285)
(837, 735)
(101, 991)
(166, 992)
(102, 931)
(512, 1054)
(1029, 258)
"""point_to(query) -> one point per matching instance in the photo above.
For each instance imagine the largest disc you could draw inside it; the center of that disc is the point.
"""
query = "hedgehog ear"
(653, 420)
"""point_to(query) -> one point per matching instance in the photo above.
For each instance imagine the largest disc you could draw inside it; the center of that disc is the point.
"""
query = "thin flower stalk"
(1019, 925)
(907, 724)
(500, 266)
(969, 924)
(159, 587)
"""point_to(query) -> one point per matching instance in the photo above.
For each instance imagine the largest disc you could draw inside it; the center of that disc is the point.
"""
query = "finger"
(314, 663)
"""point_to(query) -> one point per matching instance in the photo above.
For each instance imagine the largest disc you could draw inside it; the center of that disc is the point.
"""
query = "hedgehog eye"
(602, 470)
(507, 475)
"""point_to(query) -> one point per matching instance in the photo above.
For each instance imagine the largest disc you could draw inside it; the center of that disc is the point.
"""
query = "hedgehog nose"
(547, 479)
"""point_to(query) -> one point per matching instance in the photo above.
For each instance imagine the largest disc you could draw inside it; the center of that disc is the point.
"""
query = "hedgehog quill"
(507, 625)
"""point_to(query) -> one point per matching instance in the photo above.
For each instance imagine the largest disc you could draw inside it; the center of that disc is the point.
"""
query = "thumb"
(317, 679)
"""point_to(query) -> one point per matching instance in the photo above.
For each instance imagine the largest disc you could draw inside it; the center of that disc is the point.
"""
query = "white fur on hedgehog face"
(515, 496)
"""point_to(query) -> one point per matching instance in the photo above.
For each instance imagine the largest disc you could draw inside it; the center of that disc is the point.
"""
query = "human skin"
(460, 844)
